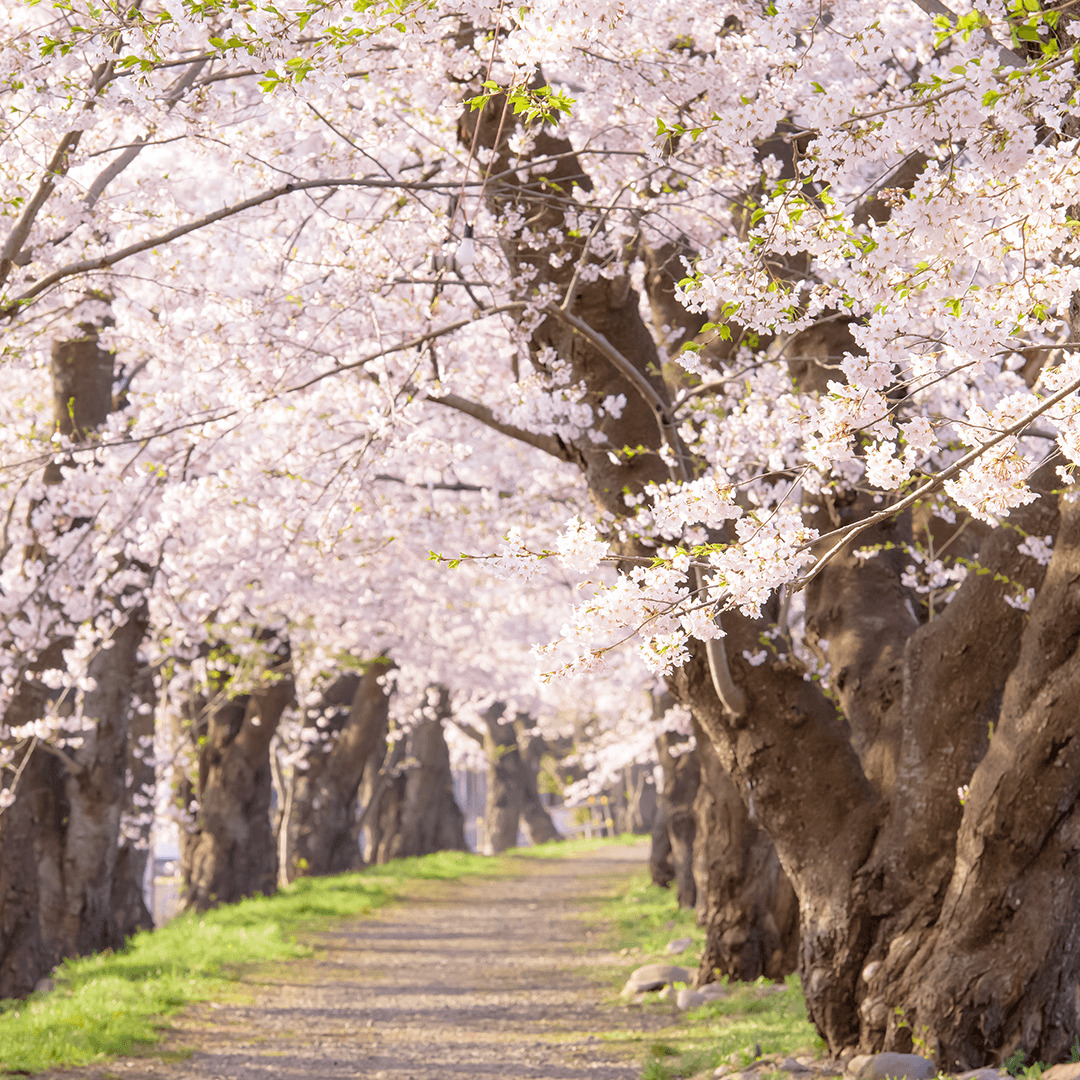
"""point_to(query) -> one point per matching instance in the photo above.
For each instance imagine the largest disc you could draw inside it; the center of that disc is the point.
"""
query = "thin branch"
(441, 486)
(548, 443)
(104, 261)
(56, 168)
(849, 532)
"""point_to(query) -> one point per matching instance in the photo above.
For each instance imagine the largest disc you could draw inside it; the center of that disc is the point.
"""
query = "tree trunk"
(661, 864)
(383, 796)
(229, 852)
(320, 826)
(681, 779)
(745, 901)
(637, 804)
(136, 827)
(538, 824)
(505, 795)
(923, 918)
(59, 839)
(431, 819)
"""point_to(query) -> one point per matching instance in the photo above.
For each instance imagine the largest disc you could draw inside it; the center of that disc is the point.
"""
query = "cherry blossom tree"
(788, 287)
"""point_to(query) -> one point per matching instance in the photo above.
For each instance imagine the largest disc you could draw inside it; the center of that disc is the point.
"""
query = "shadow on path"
(479, 978)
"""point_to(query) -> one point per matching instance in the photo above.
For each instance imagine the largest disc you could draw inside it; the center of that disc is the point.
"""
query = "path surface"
(483, 978)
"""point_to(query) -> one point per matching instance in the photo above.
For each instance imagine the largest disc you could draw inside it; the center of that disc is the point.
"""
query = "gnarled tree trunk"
(745, 901)
(682, 776)
(128, 898)
(505, 794)
(319, 827)
(534, 814)
(431, 819)
(661, 863)
(59, 840)
(229, 851)
(636, 803)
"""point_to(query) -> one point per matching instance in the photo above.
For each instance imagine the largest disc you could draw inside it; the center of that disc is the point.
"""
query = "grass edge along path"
(113, 1003)
(640, 922)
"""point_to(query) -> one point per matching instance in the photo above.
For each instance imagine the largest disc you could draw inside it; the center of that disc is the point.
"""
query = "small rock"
(654, 977)
(691, 999)
(986, 1074)
(890, 1066)
(679, 945)
(793, 1065)
(1069, 1071)
(44, 985)
(664, 994)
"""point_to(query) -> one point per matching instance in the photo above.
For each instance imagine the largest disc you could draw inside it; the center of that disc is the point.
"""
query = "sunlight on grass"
(114, 1003)
(642, 919)
(557, 849)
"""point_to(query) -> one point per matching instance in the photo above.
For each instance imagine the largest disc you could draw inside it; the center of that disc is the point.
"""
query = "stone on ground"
(890, 1066)
(1069, 1071)
(654, 977)
(691, 999)
(679, 945)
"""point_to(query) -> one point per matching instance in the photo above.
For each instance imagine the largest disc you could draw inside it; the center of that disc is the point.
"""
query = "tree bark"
(59, 840)
(637, 801)
(431, 819)
(128, 896)
(505, 795)
(229, 852)
(681, 779)
(745, 901)
(534, 814)
(661, 863)
(383, 796)
(320, 827)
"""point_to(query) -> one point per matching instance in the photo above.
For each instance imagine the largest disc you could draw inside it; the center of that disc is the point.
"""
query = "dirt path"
(480, 978)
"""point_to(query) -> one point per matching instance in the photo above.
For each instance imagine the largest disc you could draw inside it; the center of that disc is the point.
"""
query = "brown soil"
(475, 979)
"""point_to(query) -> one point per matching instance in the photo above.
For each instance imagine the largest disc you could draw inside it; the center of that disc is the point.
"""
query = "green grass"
(641, 920)
(113, 1003)
(557, 849)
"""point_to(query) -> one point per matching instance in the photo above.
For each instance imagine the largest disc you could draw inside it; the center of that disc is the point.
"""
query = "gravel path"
(480, 978)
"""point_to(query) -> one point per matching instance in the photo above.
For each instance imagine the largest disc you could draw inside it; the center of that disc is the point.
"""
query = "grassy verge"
(557, 849)
(113, 1003)
(641, 922)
